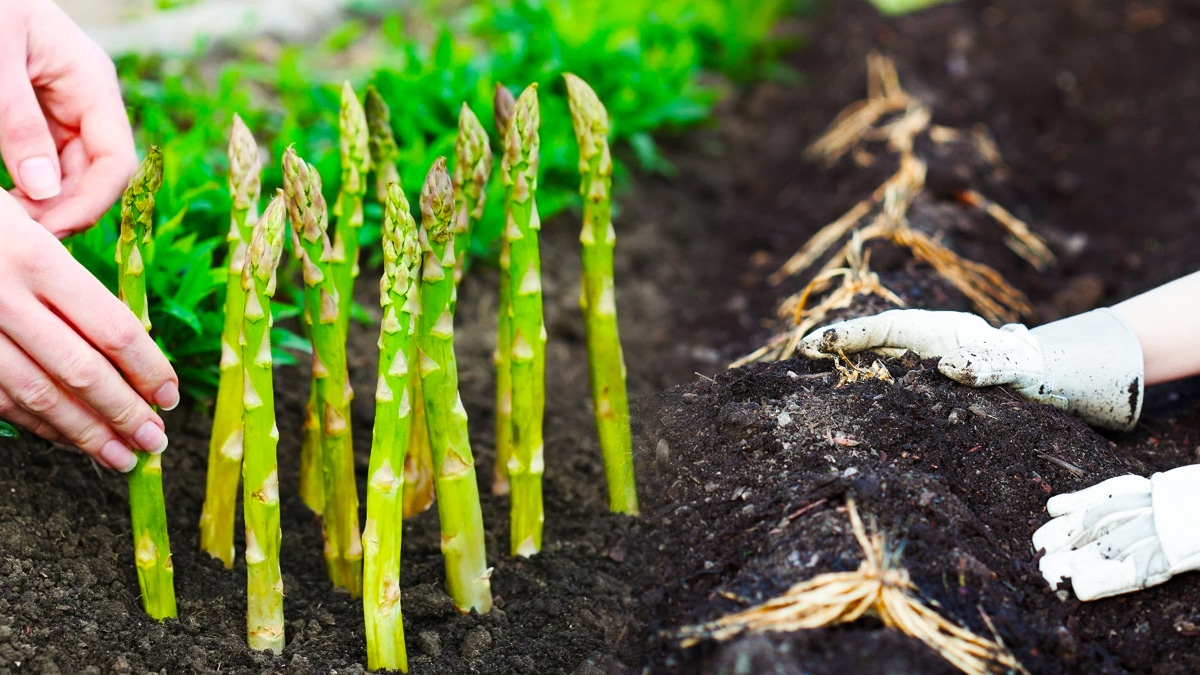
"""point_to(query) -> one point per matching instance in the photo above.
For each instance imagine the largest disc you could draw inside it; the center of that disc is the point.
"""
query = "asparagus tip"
(437, 201)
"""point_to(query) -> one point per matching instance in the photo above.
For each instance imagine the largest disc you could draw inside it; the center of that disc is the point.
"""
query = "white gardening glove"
(1090, 364)
(1124, 534)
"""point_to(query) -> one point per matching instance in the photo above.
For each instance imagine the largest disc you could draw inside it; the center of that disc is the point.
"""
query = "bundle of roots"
(880, 587)
(891, 115)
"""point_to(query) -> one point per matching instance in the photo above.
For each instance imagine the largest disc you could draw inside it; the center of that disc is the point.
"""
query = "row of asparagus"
(420, 449)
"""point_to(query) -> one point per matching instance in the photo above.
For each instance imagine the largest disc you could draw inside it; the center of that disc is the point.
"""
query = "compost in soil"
(744, 473)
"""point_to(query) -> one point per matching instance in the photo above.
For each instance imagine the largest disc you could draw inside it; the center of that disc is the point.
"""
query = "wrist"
(1094, 364)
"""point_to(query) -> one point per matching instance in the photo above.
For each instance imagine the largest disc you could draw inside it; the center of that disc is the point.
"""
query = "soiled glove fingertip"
(962, 368)
(820, 344)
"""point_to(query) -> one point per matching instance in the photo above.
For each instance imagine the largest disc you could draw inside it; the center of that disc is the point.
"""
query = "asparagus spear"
(148, 511)
(418, 462)
(260, 471)
(312, 484)
(306, 206)
(225, 444)
(356, 163)
(398, 295)
(457, 491)
(527, 352)
(472, 169)
(382, 144)
(503, 105)
(606, 364)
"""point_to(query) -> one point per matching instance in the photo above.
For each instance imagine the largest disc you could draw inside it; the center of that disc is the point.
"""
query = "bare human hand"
(64, 134)
(65, 342)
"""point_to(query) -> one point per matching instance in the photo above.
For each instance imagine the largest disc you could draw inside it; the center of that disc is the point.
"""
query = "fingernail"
(118, 456)
(168, 396)
(39, 178)
(150, 438)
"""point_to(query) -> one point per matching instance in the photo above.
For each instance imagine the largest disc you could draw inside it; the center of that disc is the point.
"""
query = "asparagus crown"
(266, 246)
(521, 145)
(137, 204)
(437, 205)
(400, 249)
(473, 161)
(354, 141)
(590, 120)
(503, 103)
(244, 168)
(379, 127)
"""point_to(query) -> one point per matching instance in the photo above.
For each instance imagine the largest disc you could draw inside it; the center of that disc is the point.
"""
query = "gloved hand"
(1090, 364)
(1124, 534)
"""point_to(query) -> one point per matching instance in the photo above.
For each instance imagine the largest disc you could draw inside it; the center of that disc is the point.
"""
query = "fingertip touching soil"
(744, 474)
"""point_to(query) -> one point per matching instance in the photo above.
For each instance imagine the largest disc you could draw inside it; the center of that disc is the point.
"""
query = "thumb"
(26, 145)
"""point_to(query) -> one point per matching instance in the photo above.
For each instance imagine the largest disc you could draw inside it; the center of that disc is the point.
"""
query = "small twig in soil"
(1076, 471)
(796, 514)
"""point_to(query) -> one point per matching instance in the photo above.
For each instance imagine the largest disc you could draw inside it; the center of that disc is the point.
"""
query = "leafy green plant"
(647, 59)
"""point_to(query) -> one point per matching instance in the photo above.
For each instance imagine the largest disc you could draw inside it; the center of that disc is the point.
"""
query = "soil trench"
(744, 472)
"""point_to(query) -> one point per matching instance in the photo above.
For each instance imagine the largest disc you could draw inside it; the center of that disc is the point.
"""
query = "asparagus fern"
(606, 364)
(225, 444)
(307, 208)
(260, 472)
(398, 295)
(467, 573)
(527, 351)
(148, 511)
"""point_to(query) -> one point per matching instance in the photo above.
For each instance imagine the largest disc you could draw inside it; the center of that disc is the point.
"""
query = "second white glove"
(1124, 534)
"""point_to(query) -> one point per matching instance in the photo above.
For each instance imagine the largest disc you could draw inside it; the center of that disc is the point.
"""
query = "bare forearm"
(1167, 323)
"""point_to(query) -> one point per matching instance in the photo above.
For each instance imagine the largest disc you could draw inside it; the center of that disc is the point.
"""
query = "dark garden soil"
(744, 473)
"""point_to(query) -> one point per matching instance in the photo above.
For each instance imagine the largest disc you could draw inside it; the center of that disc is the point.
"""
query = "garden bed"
(743, 473)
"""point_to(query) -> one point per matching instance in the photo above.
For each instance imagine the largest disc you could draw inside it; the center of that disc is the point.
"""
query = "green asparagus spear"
(312, 484)
(457, 491)
(398, 295)
(225, 444)
(148, 511)
(260, 471)
(472, 169)
(606, 364)
(382, 143)
(418, 461)
(503, 104)
(527, 355)
(306, 206)
(356, 163)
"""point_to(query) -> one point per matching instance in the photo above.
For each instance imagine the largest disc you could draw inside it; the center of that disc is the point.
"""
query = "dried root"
(879, 587)
(852, 372)
(891, 115)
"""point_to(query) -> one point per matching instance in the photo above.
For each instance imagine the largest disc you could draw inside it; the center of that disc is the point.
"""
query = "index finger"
(927, 333)
(104, 321)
